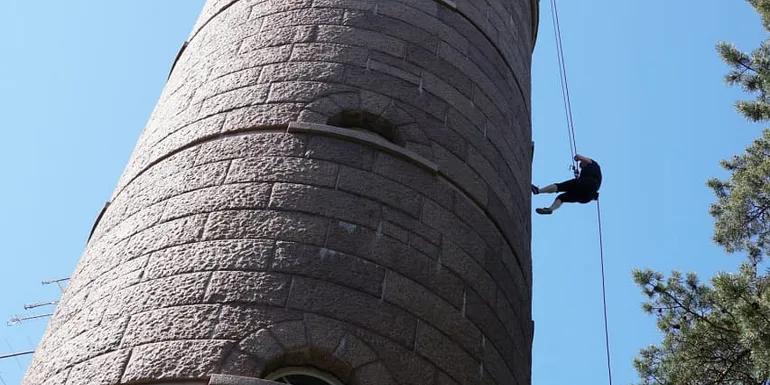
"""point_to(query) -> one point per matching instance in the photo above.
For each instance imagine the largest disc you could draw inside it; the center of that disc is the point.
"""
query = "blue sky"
(79, 79)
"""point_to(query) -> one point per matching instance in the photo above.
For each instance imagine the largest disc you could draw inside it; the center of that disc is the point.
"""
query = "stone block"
(283, 169)
(167, 234)
(373, 374)
(270, 115)
(326, 202)
(446, 354)
(305, 16)
(422, 245)
(340, 151)
(248, 287)
(406, 174)
(253, 59)
(455, 229)
(360, 37)
(354, 352)
(240, 97)
(402, 362)
(255, 144)
(330, 51)
(280, 225)
(303, 91)
(214, 87)
(168, 324)
(447, 71)
(361, 5)
(308, 70)
(237, 321)
(92, 343)
(328, 265)
(430, 308)
(492, 328)
(261, 344)
(290, 334)
(381, 189)
(473, 273)
(263, 8)
(172, 360)
(393, 26)
(224, 379)
(391, 253)
(496, 366)
(227, 254)
(461, 175)
(358, 308)
(324, 333)
(102, 370)
(177, 290)
(228, 197)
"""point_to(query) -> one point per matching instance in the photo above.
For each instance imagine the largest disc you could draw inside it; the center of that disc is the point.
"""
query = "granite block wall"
(336, 184)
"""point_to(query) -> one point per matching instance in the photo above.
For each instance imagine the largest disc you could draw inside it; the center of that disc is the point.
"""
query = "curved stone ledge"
(363, 138)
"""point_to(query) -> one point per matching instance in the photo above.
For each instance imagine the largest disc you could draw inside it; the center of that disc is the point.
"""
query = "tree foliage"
(713, 334)
(718, 333)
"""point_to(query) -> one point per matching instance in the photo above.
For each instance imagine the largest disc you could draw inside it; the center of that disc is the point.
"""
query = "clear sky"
(79, 79)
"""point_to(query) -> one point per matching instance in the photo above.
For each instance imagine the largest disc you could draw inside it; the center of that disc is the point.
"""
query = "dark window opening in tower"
(303, 376)
(366, 121)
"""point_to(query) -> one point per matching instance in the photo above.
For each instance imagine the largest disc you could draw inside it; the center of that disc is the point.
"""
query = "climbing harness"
(573, 151)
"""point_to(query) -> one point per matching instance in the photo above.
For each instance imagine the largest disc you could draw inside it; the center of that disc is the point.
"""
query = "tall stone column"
(338, 187)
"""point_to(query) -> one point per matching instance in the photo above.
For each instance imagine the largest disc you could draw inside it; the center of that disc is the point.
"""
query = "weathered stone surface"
(415, 298)
(340, 151)
(283, 169)
(353, 351)
(258, 144)
(229, 197)
(261, 344)
(324, 333)
(373, 374)
(352, 306)
(328, 265)
(103, 370)
(403, 363)
(432, 344)
(223, 379)
(379, 188)
(175, 359)
(175, 323)
(232, 239)
(248, 287)
(229, 254)
(290, 334)
(346, 207)
(282, 225)
(405, 260)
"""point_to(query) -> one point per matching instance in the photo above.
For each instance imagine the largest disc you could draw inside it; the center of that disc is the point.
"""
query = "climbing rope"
(564, 84)
(573, 151)
(604, 293)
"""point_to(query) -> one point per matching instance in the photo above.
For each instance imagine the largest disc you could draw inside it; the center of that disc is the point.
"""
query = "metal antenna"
(18, 319)
(16, 354)
(39, 304)
(57, 282)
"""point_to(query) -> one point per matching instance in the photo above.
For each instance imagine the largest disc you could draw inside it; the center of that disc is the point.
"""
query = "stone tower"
(328, 192)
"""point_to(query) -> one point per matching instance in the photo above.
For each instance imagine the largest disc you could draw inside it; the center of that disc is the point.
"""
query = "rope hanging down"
(573, 151)
(564, 84)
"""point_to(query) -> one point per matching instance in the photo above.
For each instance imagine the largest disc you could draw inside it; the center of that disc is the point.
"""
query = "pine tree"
(719, 333)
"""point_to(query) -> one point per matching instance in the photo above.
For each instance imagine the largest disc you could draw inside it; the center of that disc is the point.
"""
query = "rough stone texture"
(241, 238)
